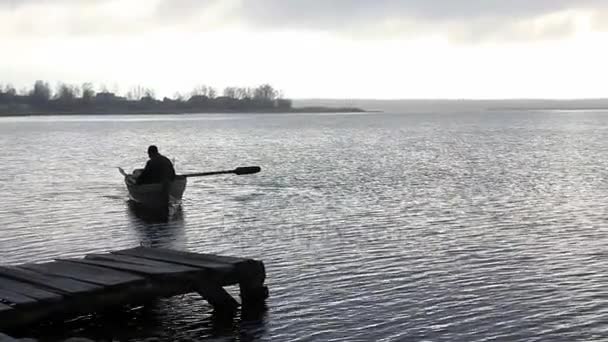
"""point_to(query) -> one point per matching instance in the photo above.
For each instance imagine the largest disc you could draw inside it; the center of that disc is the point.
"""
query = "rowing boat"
(170, 194)
(157, 195)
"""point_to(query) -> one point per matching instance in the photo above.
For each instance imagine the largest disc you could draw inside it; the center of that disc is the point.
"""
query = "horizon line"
(450, 99)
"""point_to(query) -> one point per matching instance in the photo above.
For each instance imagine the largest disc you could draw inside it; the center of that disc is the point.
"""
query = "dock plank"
(16, 298)
(92, 274)
(28, 290)
(138, 261)
(198, 256)
(218, 263)
(139, 269)
(38, 292)
(63, 285)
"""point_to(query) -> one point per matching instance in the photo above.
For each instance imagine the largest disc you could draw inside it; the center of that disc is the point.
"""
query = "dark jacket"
(158, 170)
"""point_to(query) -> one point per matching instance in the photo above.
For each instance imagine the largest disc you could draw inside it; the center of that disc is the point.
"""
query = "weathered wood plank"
(29, 290)
(139, 269)
(197, 256)
(33, 293)
(139, 261)
(16, 298)
(92, 274)
(64, 285)
(218, 263)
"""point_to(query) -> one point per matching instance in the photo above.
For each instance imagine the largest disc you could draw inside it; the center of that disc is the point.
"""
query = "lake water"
(485, 226)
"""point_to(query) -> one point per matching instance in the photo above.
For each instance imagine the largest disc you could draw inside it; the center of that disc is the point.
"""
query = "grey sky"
(471, 18)
(468, 19)
(334, 13)
(318, 10)
(360, 48)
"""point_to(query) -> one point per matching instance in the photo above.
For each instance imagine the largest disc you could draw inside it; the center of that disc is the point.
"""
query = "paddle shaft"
(249, 170)
(203, 174)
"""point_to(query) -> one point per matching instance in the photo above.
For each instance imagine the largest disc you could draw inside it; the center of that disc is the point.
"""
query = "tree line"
(42, 98)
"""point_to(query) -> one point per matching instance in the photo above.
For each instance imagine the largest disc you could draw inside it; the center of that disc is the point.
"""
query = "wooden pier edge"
(32, 293)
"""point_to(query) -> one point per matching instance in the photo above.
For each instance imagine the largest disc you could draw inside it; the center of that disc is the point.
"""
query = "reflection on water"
(157, 227)
(197, 321)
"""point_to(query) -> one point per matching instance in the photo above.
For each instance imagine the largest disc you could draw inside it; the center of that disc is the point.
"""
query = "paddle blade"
(122, 172)
(248, 170)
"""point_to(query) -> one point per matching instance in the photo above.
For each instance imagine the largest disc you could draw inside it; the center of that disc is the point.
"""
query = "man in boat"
(159, 168)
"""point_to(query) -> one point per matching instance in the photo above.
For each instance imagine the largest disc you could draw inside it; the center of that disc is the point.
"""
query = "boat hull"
(156, 195)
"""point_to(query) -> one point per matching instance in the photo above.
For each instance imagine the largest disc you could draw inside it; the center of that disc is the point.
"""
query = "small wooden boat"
(170, 195)
(155, 195)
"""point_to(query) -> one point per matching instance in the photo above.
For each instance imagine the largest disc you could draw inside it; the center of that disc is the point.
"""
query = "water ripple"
(464, 227)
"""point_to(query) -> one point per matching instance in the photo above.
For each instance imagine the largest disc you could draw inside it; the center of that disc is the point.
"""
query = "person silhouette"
(159, 168)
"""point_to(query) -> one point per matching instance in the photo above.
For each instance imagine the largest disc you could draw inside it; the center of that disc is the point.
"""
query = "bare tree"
(41, 92)
(149, 93)
(88, 92)
(265, 92)
(4, 97)
(201, 90)
(280, 95)
(230, 92)
(10, 90)
(212, 92)
(65, 93)
(136, 93)
(77, 91)
(244, 93)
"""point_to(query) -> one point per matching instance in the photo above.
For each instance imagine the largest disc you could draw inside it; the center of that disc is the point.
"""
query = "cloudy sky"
(314, 48)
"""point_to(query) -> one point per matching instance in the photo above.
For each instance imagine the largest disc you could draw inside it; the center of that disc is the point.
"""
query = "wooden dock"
(33, 293)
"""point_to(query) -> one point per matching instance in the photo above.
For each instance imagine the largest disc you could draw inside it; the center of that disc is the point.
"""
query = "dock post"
(251, 283)
(217, 296)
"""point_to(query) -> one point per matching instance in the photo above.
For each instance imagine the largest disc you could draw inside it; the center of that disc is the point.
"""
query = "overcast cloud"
(472, 20)
(465, 19)
(358, 48)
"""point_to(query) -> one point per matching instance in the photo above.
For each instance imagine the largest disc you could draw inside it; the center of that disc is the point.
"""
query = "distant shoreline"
(452, 105)
(529, 109)
(75, 100)
(296, 110)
